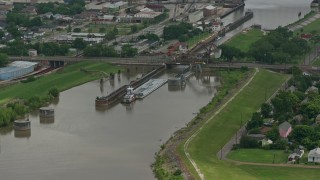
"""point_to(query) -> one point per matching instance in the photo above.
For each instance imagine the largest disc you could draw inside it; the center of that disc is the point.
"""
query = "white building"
(314, 155)
(156, 29)
(195, 16)
(16, 69)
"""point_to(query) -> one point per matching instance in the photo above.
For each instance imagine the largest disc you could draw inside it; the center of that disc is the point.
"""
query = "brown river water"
(119, 142)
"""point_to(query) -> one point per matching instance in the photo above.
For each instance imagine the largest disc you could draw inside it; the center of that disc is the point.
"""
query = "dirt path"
(185, 147)
(274, 165)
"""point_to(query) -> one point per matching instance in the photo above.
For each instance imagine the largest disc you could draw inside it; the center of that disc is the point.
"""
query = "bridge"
(159, 60)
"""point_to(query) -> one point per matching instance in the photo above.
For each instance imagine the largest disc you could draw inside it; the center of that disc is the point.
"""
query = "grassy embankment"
(194, 40)
(259, 156)
(221, 128)
(229, 80)
(66, 78)
(245, 39)
(306, 16)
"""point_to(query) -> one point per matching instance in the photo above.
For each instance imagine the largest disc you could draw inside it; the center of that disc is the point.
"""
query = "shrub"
(248, 142)
(54, 92)
(29, 79)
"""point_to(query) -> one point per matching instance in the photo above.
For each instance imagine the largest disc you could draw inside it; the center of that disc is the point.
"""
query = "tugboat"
(129, 96)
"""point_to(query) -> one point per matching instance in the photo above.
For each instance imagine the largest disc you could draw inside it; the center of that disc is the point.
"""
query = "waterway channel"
(118, 143)
(109, 143)
(269, 14)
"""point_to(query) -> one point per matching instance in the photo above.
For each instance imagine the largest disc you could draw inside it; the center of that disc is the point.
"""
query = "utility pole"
(274, 156)
(221, 153)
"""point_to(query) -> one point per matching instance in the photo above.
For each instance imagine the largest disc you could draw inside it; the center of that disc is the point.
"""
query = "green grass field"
(69, 77)
(194, 40)
(244, 40)
(259, 156)
(204, 147)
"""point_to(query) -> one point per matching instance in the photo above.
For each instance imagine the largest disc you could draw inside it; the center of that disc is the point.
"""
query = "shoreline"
(169, 149)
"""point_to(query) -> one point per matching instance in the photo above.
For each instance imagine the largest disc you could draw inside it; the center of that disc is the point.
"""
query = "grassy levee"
(69, 77)
(218, 131)
(246, 39)
(314, 26)
(259, 156)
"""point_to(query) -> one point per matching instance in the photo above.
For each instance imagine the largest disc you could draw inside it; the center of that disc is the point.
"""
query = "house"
(296, 154)
(46, 28)
(47, 15)
(105, 19)
(183, 47)
(156, 7)
(291, 89)
(318, 119)
(298, 118)
(216, 26)
(257, 137)
(312, 89)
(265, 142)
(32, 52)
(156, 29)
(314, 155)
(285, 129)
(30, 10)
(269, 122)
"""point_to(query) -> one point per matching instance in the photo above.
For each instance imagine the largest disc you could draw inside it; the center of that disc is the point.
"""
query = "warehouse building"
(16, 69)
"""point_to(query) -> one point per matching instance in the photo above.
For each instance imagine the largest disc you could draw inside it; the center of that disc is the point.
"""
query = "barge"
(116, 96)
(148, 87)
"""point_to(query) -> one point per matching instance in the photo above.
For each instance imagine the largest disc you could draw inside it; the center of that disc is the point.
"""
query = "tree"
(1, 34)
(13, 30)
(69, 29)
(300, 132)
(102, 30)
(36, 21)
(266, 109)
(128, 51)
(255, 122)
(3, 60)
(79, 44)
(273, 134)
(54, 92)
(134, 28)
(77, 30)
(152, 37)
(248, 142)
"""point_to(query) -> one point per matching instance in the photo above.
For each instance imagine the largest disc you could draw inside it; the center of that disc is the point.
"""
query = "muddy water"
(115, 143)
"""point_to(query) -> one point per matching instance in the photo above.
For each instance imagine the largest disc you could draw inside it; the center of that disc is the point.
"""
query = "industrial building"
(209, 11)
(16, 69)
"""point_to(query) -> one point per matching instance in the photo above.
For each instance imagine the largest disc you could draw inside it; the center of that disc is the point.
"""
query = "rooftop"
(17, 65)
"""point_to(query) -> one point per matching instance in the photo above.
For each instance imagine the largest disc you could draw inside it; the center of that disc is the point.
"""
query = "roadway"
(157, 60)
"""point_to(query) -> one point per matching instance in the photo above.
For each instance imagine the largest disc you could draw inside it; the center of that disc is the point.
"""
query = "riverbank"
(66, 78)
(219, 129)
(24, 97)
(168, 163)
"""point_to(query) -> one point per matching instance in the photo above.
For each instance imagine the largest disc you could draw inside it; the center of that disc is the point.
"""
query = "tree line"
(18, 109)
(278, 46)
(299, 107)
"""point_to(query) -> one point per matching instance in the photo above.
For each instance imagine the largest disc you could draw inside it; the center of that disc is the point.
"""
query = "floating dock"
(148, 87)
